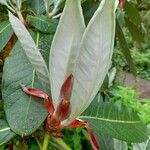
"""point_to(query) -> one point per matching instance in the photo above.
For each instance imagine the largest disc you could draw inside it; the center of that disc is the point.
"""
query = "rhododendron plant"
(59, 91)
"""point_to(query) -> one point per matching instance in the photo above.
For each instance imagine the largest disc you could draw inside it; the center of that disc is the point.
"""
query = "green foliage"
(130, 98)
(140, 57)
(5, 132)
(31, 50)
(37, 6)
(114, 120)
(43, 24)
(5, 33)
(132, 12)
(77, 139)
(2, 114)
(142, 62)
(135, 31)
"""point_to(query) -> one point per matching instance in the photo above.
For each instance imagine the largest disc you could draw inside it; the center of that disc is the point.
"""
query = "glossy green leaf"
(94, 58)
(24, 114)
(132, 12)
(5, 132)
(43, 24)
(135, 32)
(115, 120)
(65, 45)
(5, 33)
(31, 50)
(124, 47)
(37, 6)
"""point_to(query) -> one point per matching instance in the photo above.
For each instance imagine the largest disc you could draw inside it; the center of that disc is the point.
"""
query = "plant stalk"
(46, 141)
(21, 18)
(38, 142)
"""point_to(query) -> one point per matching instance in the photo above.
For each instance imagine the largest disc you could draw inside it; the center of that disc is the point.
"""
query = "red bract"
(122, 3)
(62, 111)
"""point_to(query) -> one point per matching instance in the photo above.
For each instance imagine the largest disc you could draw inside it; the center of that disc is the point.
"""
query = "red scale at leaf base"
(53, 123)
(122, 3)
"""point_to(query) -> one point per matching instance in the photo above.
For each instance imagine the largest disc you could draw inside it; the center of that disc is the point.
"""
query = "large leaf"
(115, 120)
(31, 50)
(24, 114)
(43, 23)
(5, 33)
(65, 45)
(94, 58)
(5, 132)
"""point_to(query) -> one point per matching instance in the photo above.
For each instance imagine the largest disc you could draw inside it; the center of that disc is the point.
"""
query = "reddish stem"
(79, 123)
(122, 3)
(40, 94)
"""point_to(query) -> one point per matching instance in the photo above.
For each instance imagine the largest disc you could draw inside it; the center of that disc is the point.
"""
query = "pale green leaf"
(65, 45)
(115, 120)
(94, 58)
(5, 33)
(3, 2)
(142, 146)
(5, 132)
(120, 145)
(31, 50)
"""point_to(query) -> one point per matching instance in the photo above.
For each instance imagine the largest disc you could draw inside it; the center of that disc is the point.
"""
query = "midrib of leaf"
(110, 55)
(33, 76)
(109, 120)
(5, 129)
(5, 28)
(98, 61)
(69, 58)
